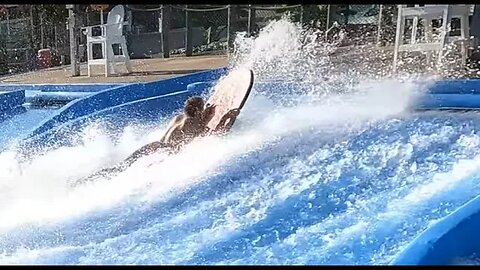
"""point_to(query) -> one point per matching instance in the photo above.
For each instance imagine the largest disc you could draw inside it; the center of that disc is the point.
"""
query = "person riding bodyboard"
(186, 126)
(198, 119)
(182, 130)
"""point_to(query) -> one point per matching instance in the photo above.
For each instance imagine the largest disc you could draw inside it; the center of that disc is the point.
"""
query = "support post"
(42, 32)
(32, 28)
(74, 67)
(301, 14)
(251, 20)
(379, 25)
(230, 29)
(475, 27)
(188, 33)
(328, 18)
(474, 56)
(55, 37)
(8, 23)
(165, 16)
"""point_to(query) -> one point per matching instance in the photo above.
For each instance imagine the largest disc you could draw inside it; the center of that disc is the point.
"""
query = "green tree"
(52, 12)
(3, 57)
(315, 15)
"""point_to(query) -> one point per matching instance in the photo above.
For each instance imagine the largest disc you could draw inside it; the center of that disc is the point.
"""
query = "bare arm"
(208, 113)
(172, 126)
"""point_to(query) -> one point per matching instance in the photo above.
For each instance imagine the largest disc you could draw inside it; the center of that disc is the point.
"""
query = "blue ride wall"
(455, 236)
(80, 87)
(443, 94)
(117, 107)
(11, 103)
(114, 118)
(123, 94)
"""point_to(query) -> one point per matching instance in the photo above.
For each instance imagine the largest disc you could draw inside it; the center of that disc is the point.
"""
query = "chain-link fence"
(264, 14)
(16, 52)
(211, 28)
(208, 29)
(53, 34)
(360, 22)
(24, 29)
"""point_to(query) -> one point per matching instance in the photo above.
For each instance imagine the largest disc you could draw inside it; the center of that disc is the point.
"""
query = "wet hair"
(193, 106)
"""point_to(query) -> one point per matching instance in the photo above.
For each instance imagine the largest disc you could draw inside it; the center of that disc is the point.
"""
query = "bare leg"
(145, 150)
(112, 171)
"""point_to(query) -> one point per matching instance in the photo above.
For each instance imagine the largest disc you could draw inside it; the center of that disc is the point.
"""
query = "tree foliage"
(52, 13)
(3, 57)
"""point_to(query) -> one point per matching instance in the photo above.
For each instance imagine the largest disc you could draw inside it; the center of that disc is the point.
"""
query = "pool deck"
(144, 70)
(360, 59)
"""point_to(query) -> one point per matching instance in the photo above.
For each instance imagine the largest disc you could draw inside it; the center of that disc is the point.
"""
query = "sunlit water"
(342, 173)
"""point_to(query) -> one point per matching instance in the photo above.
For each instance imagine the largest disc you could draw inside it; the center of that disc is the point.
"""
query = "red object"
(45, 58)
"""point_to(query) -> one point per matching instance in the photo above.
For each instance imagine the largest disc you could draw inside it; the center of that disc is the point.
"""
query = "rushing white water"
(345, 174)
(470, 260)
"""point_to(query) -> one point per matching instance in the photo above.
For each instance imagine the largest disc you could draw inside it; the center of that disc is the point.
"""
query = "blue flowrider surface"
(20, 125)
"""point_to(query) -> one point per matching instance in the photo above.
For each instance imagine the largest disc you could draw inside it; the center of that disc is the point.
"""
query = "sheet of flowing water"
(469, 260)
(338, 172)
(20, 124)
